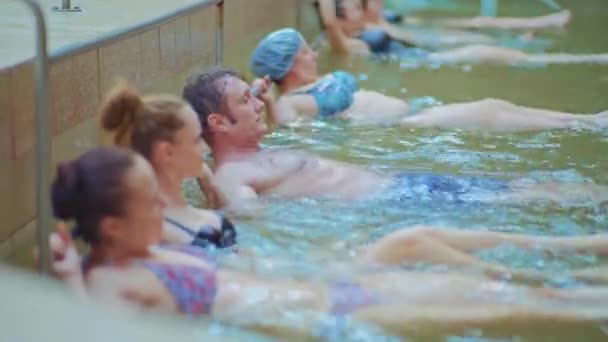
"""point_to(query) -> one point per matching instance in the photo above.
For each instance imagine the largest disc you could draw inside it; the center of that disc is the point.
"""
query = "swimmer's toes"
(601, 119)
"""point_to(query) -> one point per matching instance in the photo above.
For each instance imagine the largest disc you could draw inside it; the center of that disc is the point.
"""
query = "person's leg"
(471, 240)
(494, 115)
(495, 321)
(592, 275)
(566, 58)
(586, 193)
(501, 55)
(420, 246)
(478, 54)
(553, 20)
(444, 303)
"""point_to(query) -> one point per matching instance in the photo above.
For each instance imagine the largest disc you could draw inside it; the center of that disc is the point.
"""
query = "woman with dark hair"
(115, 200)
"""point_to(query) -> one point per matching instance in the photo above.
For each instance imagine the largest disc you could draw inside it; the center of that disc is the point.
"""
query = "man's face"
(243, 111)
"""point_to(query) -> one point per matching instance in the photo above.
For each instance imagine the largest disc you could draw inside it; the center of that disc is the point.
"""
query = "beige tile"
(309, 22)
(22, 245)
(22, 188)
(5, 117)
(150, 53)
(243, 29)
(25, 235)
(168, 55)
(61, 98)
(183, 51)
(85, 87)
(121, 59)
(22, 109)
(234, 19)
(75, 141)
(6, 250)
(202, 34)
(6, 201)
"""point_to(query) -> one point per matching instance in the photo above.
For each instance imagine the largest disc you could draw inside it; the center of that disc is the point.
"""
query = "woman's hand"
(66, 261)
(262, 89)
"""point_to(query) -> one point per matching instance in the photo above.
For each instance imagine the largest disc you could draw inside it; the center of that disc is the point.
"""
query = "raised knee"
(404, 238)
(426, 232)
(493, 104)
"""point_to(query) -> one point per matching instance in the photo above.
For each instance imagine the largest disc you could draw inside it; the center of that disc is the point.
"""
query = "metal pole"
(43, 141)
(66, 6)
(219, 34)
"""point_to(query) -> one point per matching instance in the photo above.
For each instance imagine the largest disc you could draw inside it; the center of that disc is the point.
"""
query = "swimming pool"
(316, 231)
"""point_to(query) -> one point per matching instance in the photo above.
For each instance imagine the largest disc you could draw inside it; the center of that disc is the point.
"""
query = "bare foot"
(561, 18)
(601, 119)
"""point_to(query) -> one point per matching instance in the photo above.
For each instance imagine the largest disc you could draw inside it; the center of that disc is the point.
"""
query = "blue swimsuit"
(334, 93)
(420, 187)
(379, 42)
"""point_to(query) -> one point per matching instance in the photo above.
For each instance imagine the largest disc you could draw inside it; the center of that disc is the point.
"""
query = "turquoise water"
(309, 226)
(317, 232)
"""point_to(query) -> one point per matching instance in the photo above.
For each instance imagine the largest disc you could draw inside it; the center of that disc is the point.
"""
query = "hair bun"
(65, 190)
(120, 109)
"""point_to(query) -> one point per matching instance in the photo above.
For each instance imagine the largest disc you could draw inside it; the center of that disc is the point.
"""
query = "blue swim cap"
(275, 54)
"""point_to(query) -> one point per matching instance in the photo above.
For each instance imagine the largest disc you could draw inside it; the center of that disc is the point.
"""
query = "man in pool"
(233, 126)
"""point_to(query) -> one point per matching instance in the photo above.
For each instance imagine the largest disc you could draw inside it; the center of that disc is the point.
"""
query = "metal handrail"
(219, 33)
(109, 37)
(66, 6)
(43, 141)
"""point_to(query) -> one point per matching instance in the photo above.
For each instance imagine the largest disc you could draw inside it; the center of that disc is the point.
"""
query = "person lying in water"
(167, 133)
(233, 126)
(114, 198)
(286, 59)
(347, 32)
(383, 24)
(555, 20)
(375, 16)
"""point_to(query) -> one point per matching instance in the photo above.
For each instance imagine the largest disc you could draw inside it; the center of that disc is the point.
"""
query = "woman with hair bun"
(165, 131)
(116, 201)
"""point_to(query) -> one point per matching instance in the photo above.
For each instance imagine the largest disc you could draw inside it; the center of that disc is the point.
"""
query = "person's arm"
(262, 89)
(205, 183)
(277, 113)
(285, 112)
(337, 39)
(130, 290)
(240, 183)
(66, 261)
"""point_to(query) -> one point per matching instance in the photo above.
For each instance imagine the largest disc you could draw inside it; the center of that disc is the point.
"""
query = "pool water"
(315, 231)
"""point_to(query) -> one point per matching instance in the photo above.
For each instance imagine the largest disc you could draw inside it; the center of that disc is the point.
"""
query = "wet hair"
(91, 188)
(138, 122)
(207, 95)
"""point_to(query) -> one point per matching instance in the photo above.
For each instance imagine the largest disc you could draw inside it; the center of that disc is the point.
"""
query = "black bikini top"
(208, 235)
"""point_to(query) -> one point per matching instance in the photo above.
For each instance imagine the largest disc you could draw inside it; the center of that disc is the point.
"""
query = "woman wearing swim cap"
(286, 58)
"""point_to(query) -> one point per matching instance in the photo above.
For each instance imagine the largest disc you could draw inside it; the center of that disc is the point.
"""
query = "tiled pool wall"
(156, 58)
